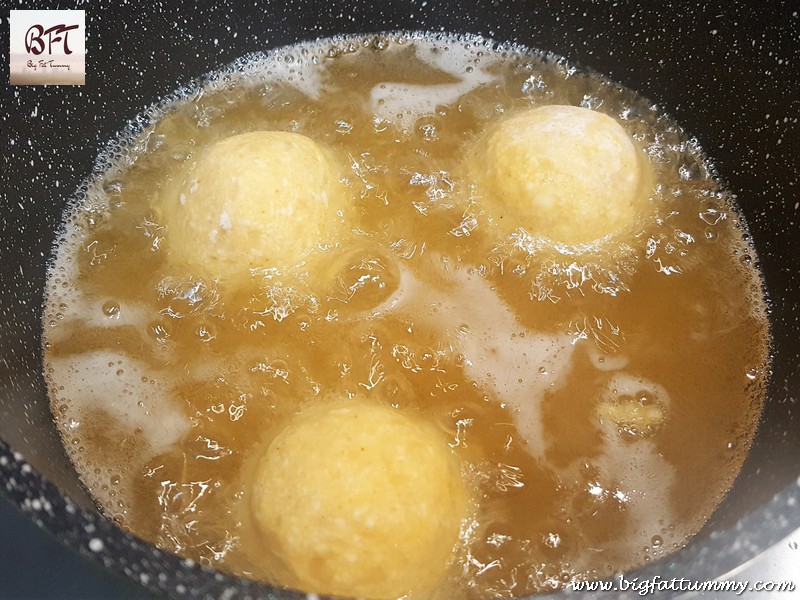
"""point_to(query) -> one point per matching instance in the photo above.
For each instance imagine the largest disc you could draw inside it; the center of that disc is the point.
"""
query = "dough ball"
(633, 414)
(632, 406)
(359, 500)
(260, 199)
(563, 172)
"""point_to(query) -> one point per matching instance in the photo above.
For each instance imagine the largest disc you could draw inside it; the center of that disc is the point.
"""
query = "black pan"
(728, 72)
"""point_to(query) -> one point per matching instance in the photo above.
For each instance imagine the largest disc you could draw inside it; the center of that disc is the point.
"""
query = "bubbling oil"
(600, 399)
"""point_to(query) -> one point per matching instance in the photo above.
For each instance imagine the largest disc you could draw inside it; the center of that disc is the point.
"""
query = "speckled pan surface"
(727, 72)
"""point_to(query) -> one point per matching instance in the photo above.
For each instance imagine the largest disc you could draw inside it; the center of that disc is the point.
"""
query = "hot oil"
(166, 384)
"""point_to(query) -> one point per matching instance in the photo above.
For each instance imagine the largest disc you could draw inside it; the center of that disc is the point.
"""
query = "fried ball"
(359, 500)
(254, 200)
(563, 172)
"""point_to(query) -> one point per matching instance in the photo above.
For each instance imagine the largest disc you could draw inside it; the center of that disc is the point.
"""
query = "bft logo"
(34, 42)
(47, 47)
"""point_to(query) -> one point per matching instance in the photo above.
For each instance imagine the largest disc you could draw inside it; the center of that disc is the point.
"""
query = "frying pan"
(728, 72)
